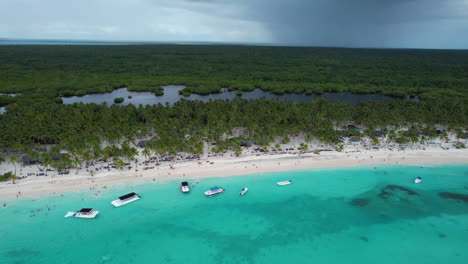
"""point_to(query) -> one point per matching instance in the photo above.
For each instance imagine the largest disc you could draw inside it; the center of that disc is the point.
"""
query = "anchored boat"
(284, 182)
(83, 213)
(214, 191)
(243, 191)
(184, 187)
(125, 199)
(418, 180)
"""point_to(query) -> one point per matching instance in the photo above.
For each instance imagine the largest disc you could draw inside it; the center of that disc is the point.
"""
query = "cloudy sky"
(348, 23)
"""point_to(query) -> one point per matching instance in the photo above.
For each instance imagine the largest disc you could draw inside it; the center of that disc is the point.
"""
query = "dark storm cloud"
(355, 23)
(370, 23)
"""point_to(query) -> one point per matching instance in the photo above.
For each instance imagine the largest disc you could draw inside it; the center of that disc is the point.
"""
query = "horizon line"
(155, 42)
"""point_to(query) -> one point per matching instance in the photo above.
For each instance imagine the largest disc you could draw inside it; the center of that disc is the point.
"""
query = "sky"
(439, 24)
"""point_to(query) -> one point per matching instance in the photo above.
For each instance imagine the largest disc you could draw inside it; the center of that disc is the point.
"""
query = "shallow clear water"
(353, 215)
(171, 95)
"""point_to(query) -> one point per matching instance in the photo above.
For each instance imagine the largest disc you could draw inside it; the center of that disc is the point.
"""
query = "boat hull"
(89, 215)
(118, 202)
(244, 191)
(284, 183)
(211, 193)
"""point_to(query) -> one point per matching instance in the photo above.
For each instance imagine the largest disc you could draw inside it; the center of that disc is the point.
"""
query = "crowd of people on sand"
(352, 150)
(361, 149)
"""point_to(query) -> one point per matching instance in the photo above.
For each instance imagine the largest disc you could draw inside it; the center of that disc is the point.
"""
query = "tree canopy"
(41, 75)
(57, 71)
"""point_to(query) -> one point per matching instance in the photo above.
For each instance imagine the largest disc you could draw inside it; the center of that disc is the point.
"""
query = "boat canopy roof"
(214, 188)
(127, 196)
(184, 183)
(85, 210)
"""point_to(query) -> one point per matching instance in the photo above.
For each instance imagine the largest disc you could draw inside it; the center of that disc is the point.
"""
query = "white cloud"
(148, 20)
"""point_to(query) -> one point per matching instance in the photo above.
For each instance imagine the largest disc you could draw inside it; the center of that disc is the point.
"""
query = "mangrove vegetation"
(58, 71)
(38, 125)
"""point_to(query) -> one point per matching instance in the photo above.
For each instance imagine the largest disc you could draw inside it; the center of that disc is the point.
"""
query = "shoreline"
(228, 167)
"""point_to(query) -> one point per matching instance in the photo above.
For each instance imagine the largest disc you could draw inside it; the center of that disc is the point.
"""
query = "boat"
(284, 182)
(184, 187)
(83, 213)
(126, 199)
(418, 180)
(243, 191)
(214, 191)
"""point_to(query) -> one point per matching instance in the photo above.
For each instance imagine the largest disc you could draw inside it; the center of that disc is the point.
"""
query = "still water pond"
(171, 95)
(9, 94)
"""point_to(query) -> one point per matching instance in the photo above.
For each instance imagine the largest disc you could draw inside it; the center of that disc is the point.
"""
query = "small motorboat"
(184, 187)
(243, 191)
(418, 180)
(214, 191)
(284, 182)
(83, 213)
(125, 199)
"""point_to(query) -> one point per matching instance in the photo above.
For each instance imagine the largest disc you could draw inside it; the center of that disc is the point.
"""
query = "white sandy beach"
(222, 166)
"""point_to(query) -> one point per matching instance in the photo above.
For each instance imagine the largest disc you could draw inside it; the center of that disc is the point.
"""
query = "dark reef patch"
(21, 253)
(454, 196)
(396, 191)
(360, 202)
(365, 239)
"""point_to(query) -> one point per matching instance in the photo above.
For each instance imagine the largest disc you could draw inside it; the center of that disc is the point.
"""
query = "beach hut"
(142, 143)
(25, 160)
(378, 133)
(59, 156)
(244, 143)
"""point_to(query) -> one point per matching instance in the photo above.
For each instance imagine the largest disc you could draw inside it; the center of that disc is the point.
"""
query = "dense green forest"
(186, 126)
(55, 71)
(43, 74)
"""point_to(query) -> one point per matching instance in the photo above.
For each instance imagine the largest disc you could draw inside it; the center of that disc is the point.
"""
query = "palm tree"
(277, 146)
(46, 160)
(119, 163)
(146, 152)
(14, 160)
(303, 147)
(136, 164)
(237, 150)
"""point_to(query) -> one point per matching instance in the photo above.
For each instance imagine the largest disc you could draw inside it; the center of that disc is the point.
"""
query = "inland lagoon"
(370, 214)
(171, 96)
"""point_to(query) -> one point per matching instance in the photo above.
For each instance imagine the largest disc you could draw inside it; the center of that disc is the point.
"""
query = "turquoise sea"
(350, 215)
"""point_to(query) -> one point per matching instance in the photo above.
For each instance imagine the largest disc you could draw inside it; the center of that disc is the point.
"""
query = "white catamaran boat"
(126, 199)
(83, 213)
(214, 191)
(184, 187)
(284, 182)
(243, 191)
